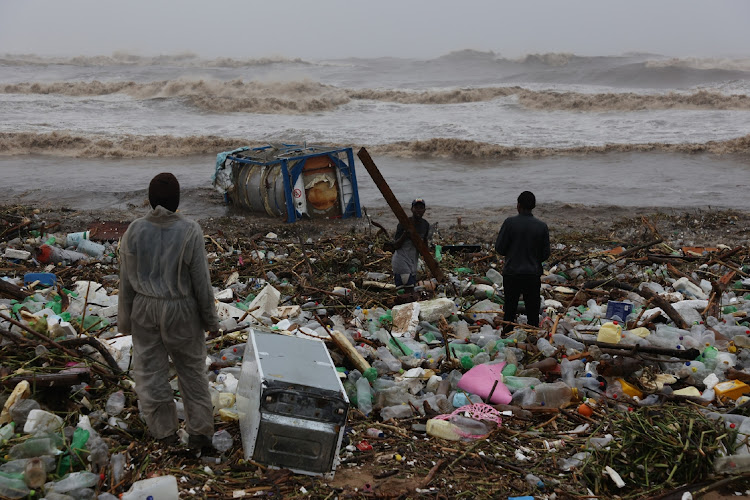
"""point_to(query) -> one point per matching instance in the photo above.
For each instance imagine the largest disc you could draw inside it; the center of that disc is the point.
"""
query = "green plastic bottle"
(509, 370)
(467, 363)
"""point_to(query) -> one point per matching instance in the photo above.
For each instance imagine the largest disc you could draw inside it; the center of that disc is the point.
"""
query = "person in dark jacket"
(524, 241)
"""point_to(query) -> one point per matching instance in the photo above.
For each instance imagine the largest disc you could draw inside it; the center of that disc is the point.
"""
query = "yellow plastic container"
(610, 332)
(629, 389)
(731, 389)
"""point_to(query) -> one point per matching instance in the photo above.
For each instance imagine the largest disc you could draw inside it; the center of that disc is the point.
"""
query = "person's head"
(526, 201)
(164, 190)
(417, 208)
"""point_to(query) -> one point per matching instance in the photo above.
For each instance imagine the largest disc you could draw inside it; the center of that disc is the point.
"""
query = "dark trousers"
(515, 286)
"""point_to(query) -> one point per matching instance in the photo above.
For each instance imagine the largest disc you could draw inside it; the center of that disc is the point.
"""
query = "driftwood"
(632, 350)
(349, 351)
(647, 294)
(64, 378)
(12, 291)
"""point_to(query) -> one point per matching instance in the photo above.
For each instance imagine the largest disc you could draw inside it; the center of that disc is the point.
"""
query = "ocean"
(466, 130)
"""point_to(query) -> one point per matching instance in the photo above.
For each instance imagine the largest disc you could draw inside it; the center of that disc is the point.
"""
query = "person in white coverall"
(167, 304)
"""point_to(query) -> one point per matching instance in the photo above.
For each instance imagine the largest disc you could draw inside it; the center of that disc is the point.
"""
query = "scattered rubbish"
(319, 369)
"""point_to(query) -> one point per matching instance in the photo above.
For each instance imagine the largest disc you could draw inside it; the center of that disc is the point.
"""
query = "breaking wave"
(124, 146)
(131, 146)
(184, 60)
(307, 96)
(711, 63)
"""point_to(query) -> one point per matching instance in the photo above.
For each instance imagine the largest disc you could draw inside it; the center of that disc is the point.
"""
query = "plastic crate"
(620, 309)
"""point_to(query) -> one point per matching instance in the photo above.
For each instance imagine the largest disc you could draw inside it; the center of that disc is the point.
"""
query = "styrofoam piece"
(267, 301)
(40, 421)
(12, 253)
(288, 311)
(405, 319)
(227, 294)
(162, 487)
(226, 311)
(120, 348)
(432, 310)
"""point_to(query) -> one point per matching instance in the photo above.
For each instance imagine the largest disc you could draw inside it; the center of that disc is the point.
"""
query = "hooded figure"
(167, 304)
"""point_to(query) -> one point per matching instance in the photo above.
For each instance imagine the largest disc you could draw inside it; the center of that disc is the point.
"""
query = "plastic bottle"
(534, 481)
(7, 431)
(373, 432)
(364, 396)
(115, 403)
(54, 255)
(389, 359)
(35, 473)
(73, 239)
(117, 464)
(552, 395)
(442, 429)
(35, 447)
(469, 427)
(222, 441)
(76, 481)
(567, 342)
(495, 276)
(395, 411)
(156, 487)
(12, 486)
(545, 347)
(91, 248)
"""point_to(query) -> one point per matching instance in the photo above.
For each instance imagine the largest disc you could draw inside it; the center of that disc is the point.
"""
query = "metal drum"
(260, 188)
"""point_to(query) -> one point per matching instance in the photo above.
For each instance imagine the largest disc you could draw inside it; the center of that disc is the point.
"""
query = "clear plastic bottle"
(12, 486)
(76, 481)
(389, 359)
(117, 464)
(364, 396)
(567, 342)
(222, 441)
(469, 426)
(7, 431)
(534, 481)
(36, 447)
(552, 395)
(115, 403)
(545, 347)
(396, 411)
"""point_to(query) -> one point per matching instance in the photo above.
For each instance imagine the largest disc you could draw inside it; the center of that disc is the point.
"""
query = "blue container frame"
(290, 176)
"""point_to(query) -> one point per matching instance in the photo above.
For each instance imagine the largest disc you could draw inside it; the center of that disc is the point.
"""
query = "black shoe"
(169, 441)
(199, 443)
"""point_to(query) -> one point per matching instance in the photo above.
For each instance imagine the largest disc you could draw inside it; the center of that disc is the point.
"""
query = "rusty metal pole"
(419, 243)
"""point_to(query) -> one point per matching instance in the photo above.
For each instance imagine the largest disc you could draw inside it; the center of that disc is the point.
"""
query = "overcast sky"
(318, 29)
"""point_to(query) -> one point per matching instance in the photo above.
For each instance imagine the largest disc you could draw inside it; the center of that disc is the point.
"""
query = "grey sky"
(343, 28)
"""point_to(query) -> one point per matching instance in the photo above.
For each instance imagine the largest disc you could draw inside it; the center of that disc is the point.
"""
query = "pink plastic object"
(480, 379)
(477, 411)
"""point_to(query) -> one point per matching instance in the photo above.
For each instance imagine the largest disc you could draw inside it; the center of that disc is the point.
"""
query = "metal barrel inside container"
(260, 188)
